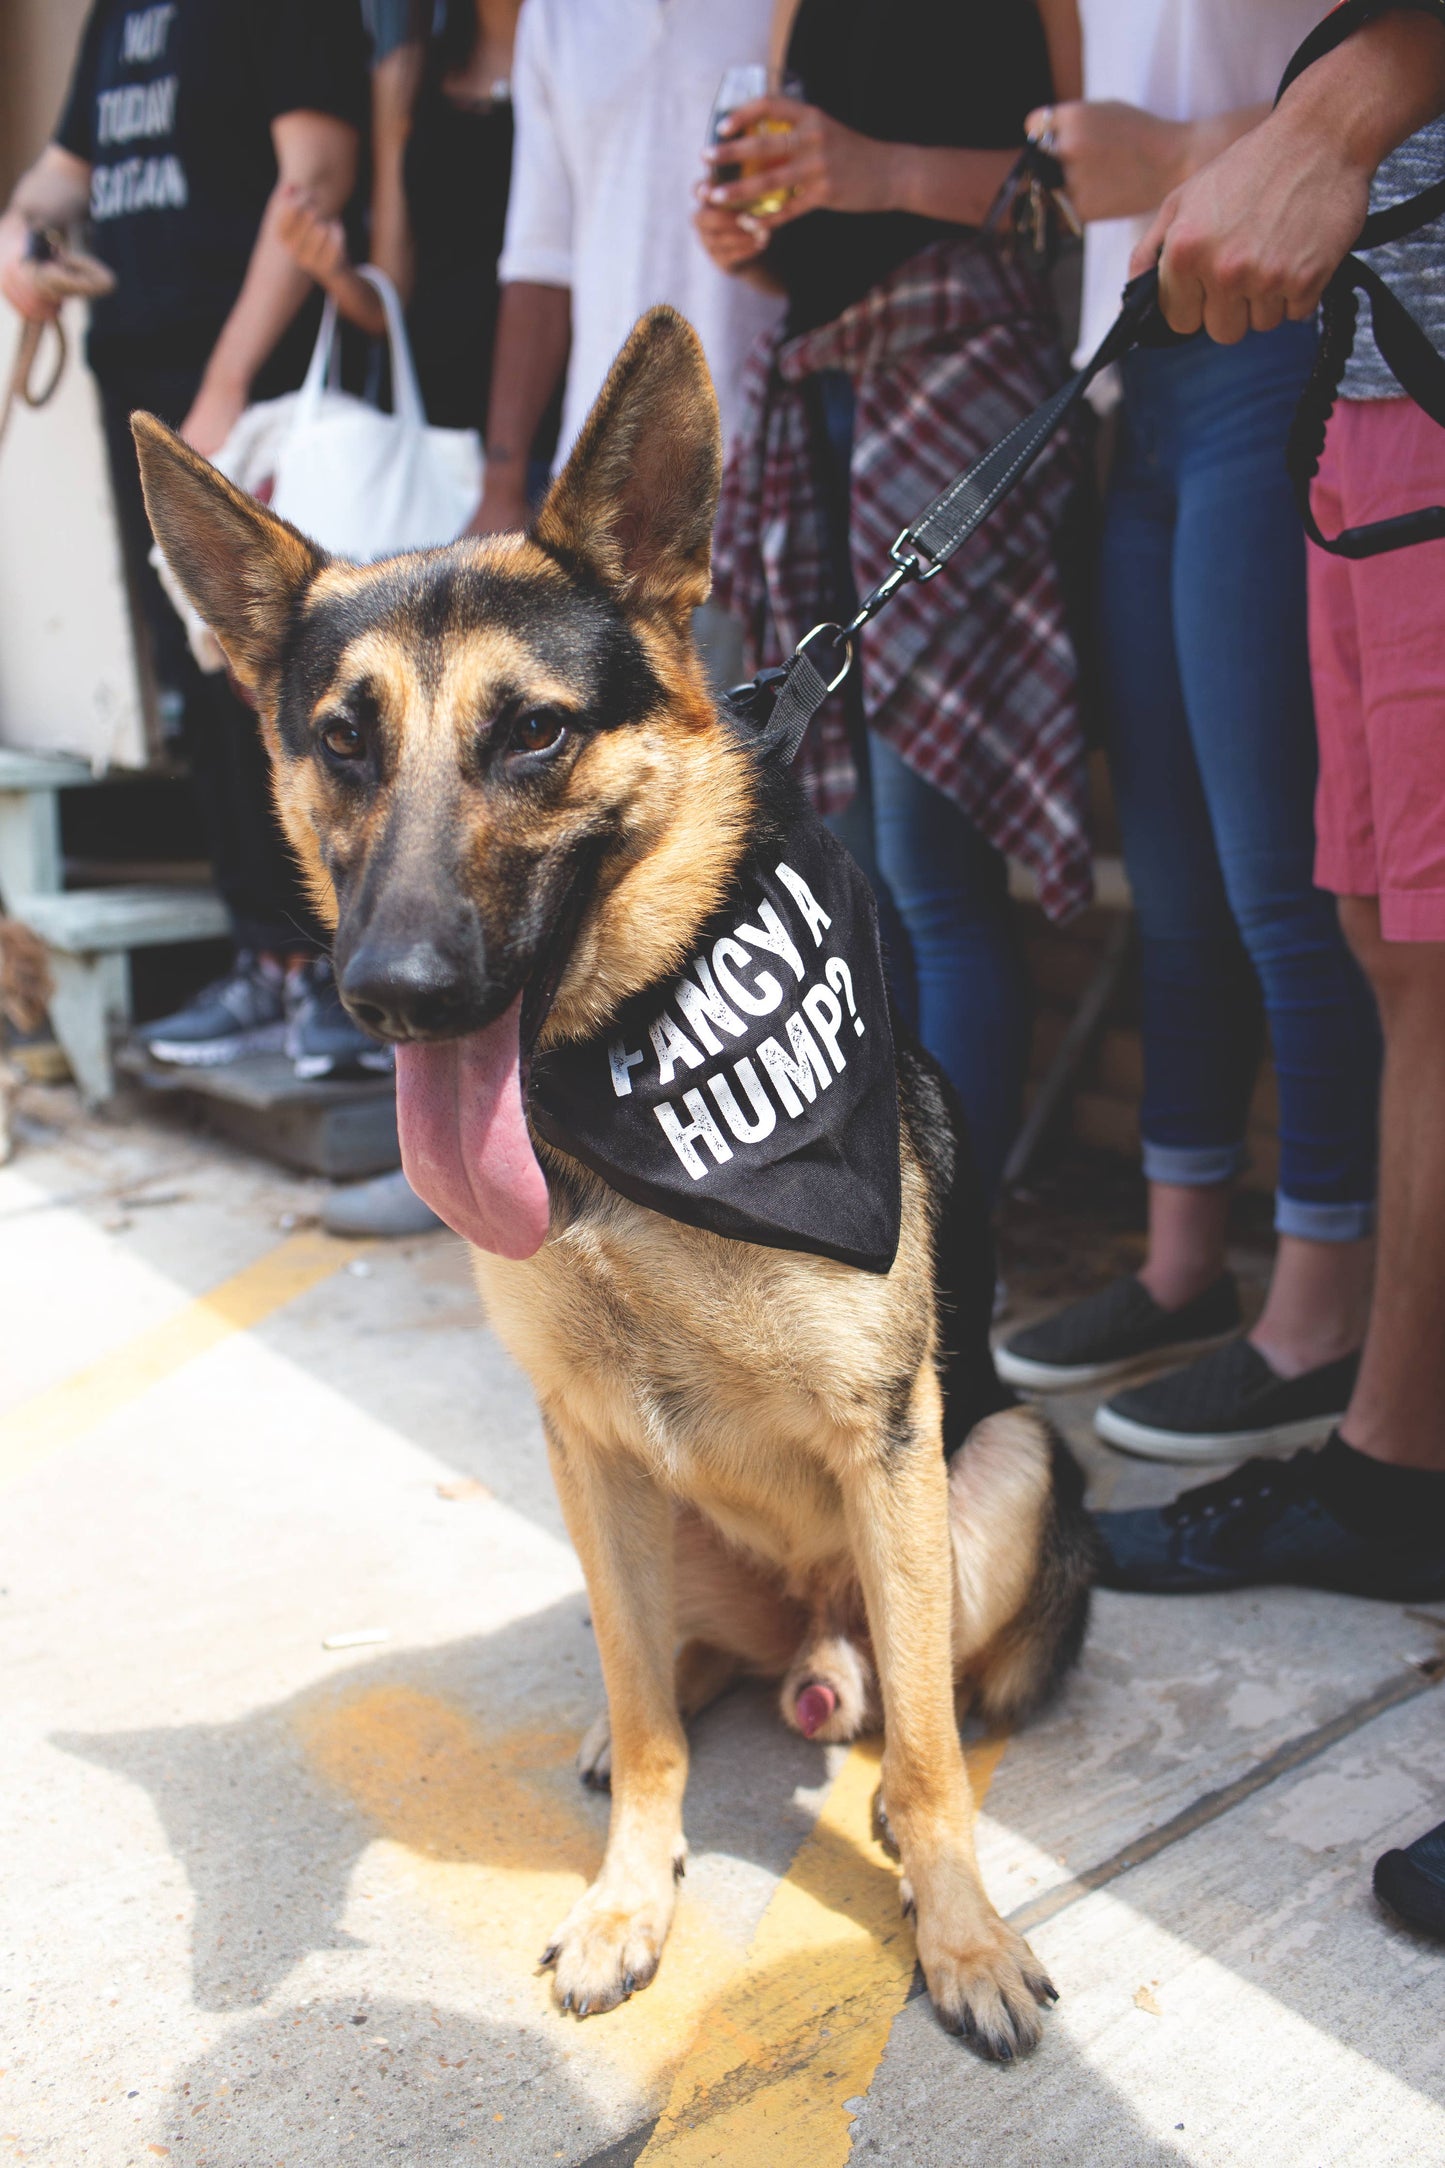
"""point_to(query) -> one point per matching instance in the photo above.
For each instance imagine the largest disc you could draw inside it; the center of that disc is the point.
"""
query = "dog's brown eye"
(343, 739)
(539, 733)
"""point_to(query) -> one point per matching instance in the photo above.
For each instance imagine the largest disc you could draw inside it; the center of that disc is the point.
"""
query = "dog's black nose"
(408, 990)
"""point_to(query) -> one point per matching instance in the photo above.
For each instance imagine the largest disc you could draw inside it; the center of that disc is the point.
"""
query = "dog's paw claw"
(882, 1827)
(907, 1902)
(988, 1989)
(607, 1948)
(548, 1958)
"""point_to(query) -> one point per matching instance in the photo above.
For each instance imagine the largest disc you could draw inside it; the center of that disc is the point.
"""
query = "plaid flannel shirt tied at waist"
(971, 676)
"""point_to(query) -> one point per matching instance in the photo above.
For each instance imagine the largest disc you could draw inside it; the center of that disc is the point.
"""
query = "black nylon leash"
(781, 703)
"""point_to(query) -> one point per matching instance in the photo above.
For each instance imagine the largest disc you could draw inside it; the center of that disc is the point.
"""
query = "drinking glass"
(745, 80)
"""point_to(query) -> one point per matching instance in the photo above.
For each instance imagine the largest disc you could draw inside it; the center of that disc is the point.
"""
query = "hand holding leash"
(61, 273)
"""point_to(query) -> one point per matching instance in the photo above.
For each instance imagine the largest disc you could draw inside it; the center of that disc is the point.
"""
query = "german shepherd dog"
(748, 1443)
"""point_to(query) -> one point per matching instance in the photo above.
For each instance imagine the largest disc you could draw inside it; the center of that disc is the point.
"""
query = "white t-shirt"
(1184, 60)
(612, 100)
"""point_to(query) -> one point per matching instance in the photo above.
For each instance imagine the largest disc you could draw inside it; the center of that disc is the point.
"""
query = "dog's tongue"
(464, 1141)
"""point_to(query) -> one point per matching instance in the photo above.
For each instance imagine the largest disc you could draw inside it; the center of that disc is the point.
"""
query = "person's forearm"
(1205, 139)
(534, 333)
(315, 158)
(956, 185)
(271, 294)
(394, 85)
(1375, 89)
(1062, 35)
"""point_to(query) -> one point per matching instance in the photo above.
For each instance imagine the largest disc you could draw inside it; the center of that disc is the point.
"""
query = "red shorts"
(1377, 657)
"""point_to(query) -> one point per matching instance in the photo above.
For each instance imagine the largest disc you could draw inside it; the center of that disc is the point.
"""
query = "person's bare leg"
(1397, 1413)
(1319, 1292)
(1187, 1232)
(1317, 1305)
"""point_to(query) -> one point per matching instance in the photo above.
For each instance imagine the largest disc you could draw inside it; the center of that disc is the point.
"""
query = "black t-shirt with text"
(171, 105)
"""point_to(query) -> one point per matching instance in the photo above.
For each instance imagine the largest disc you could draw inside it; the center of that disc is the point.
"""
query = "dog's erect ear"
(242, 567)
(635, 502)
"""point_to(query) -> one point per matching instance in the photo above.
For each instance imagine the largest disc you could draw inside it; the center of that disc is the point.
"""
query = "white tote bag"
(361, 483)
(366, 484)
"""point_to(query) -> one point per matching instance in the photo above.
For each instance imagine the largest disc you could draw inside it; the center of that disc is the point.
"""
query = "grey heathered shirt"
(1414, 267)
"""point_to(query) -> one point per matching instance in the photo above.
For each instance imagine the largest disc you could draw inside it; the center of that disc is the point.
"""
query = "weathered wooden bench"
(90, 933)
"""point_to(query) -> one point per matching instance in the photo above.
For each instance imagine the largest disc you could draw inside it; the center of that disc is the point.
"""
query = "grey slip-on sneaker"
(1113, 1334)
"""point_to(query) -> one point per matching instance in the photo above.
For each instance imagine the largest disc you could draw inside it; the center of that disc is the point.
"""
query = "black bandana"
(754, 1094)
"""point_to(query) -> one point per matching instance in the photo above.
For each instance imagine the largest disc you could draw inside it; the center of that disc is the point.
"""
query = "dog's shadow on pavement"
(339, 2081)
(462, 1756)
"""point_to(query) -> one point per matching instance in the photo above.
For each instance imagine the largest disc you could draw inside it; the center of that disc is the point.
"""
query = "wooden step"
(44, 771)
(90, 934)
(104, 921)
(343, 1127)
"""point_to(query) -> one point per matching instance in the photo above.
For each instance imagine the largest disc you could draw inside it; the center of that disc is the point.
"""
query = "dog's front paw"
(608, 1946)
(594, 1755)
(986, 1984)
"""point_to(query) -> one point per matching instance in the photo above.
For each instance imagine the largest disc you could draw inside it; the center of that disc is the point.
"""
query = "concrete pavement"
(269, 1903)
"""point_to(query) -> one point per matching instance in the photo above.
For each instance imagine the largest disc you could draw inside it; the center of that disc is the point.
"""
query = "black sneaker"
(1114, 1333)
(321, 1038)
(1412, 1882)
(1267, 1522)
(242, 1013)
(1226, 1405)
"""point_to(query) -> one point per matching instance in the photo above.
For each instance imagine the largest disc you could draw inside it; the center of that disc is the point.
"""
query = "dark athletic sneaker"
(242, 1013)
(1283, 1522)
(321, 1038)
(1114, 1333)
(1412, 1882)
(1226, 1405)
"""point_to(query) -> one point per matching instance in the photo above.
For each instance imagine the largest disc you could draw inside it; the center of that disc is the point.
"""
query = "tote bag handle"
(406, 399)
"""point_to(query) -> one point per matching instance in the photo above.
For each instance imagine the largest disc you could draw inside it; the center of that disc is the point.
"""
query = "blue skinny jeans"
(954, 959)
(1212, 750)
(955, 963)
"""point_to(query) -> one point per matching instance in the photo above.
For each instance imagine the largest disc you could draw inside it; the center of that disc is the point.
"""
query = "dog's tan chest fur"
(742, 1378)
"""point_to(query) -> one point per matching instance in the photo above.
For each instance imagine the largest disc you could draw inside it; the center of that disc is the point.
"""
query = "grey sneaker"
(387, 1206)
(242, 1013)
(1228, 1406)
(321, 1038)
(1114, 1333)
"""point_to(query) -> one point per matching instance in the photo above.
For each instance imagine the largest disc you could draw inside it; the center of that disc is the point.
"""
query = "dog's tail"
(1024, 1554)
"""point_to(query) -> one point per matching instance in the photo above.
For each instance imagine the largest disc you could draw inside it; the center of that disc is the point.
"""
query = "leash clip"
(905, 555)
(841, 634)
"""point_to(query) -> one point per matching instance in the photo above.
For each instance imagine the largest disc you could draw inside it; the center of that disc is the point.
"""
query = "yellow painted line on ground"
(801, 2028)
(496, 1838)
(754, 2050)
(55, 1418)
